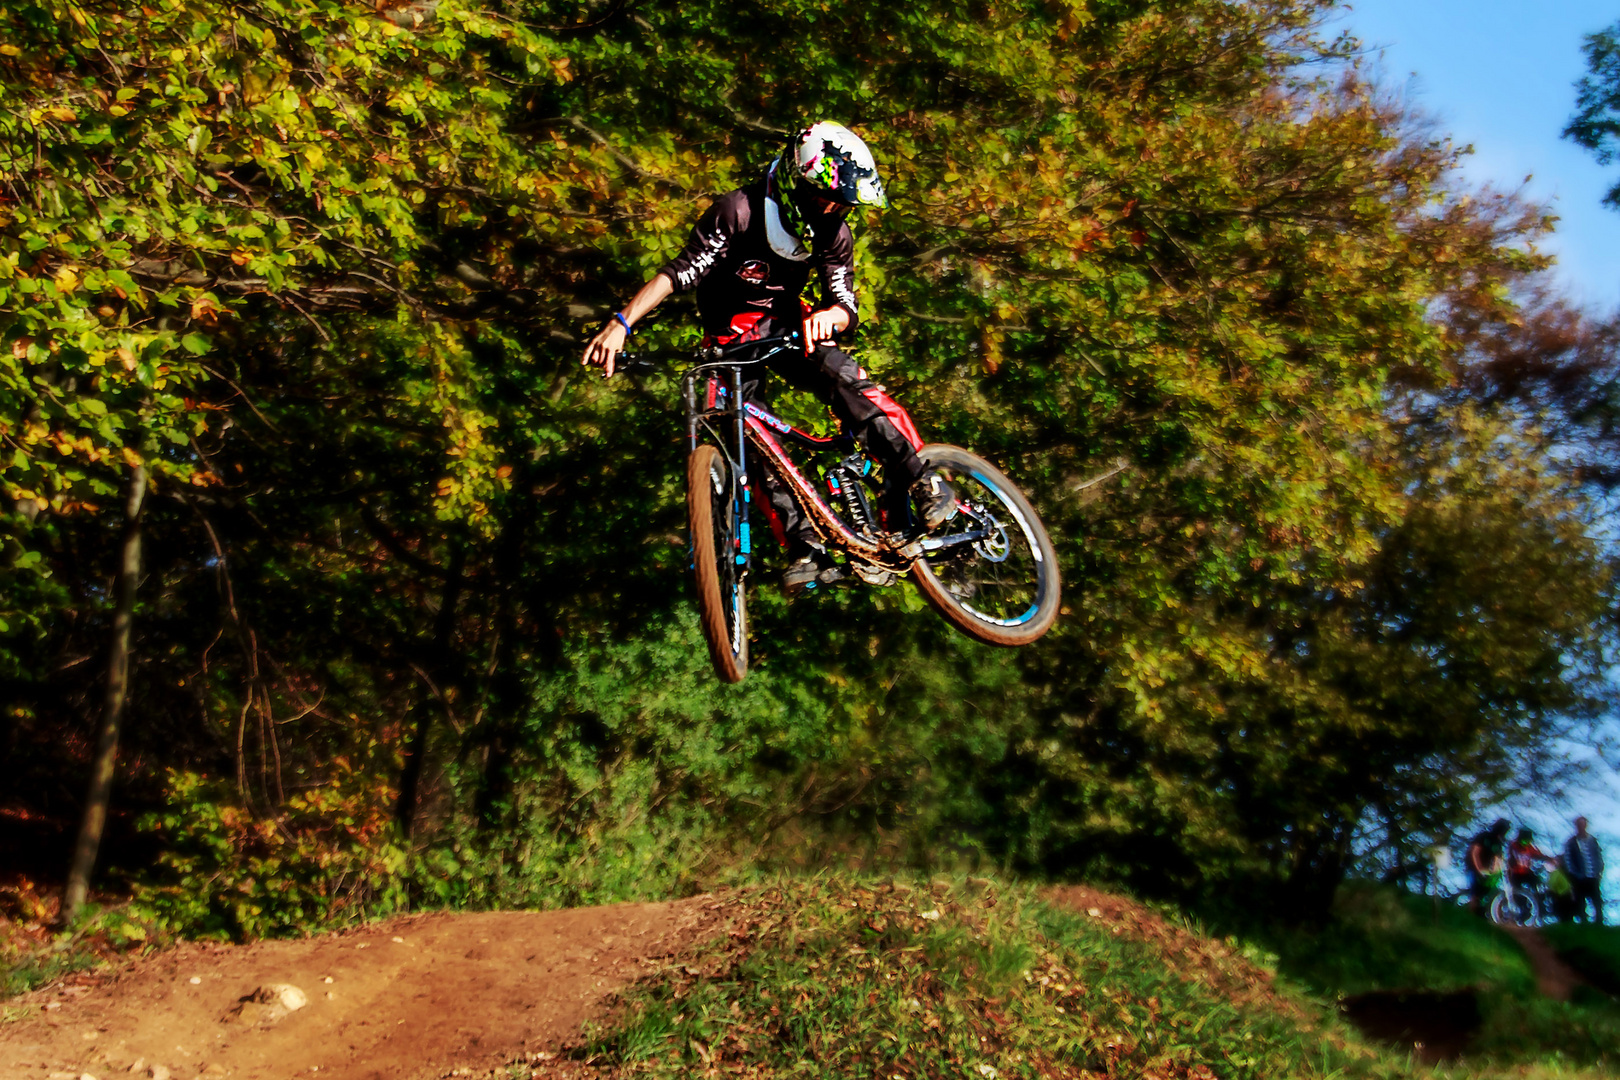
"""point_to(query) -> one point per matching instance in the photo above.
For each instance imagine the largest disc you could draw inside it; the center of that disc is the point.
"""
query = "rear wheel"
(714, 511)
(1002, 589)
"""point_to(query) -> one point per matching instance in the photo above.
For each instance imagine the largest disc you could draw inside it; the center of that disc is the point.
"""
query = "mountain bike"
(1508, 904)
(1521, 904)
(990, 571)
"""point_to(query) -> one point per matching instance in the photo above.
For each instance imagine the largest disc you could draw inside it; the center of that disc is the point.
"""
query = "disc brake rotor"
(994, 547)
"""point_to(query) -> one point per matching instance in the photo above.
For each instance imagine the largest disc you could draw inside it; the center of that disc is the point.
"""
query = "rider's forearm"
(649, 296)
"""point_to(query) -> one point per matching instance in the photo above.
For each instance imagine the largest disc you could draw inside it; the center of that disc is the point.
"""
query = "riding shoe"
(934, 498)
(808, 571)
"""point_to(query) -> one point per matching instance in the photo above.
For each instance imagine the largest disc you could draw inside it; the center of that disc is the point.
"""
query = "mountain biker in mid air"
(750, 258)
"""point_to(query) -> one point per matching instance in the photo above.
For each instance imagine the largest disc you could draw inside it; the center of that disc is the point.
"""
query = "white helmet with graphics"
(826, 170)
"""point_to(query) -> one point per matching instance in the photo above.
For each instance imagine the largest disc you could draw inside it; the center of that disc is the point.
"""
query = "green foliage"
(25, 970)
(1596, 123)
(166, 162)
(835, 975)
(32, 956)
(225, 873)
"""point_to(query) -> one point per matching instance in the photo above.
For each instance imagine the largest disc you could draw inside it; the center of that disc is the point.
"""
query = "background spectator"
(1583, 861)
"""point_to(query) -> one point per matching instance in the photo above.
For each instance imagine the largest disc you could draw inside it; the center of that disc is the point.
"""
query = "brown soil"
(415, 997)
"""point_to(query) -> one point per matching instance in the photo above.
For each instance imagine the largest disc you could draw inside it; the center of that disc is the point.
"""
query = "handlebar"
(712, 355)
(778, 340)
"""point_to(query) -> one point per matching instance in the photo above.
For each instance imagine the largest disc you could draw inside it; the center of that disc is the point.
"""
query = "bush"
(328, 857)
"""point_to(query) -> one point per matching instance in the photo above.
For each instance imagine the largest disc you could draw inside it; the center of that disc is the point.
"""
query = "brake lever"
(634, 363)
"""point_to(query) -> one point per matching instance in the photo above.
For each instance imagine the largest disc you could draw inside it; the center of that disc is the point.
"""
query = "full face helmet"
(823, 172)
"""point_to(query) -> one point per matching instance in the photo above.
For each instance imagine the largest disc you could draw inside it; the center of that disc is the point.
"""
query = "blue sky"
(1499, 74)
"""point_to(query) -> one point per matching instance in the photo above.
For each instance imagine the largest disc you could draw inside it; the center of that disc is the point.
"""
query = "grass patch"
(1594, 951)
(837, 977)
(1584, 1032)
(32, 955)
(1381, 938)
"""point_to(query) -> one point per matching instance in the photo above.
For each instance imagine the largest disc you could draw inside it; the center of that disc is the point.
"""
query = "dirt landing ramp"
(410, 998)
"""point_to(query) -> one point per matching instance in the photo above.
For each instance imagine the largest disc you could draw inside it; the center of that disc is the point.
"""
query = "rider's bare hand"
(604, 349)
(821, 325)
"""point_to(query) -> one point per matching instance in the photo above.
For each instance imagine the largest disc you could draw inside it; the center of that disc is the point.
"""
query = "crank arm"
(918, 548)
(935, 543)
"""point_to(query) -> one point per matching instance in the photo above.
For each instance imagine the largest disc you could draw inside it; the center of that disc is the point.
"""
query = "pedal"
(874, 575)
(831, 576)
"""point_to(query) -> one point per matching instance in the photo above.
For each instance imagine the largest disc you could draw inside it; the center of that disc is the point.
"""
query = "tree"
(1596, 123)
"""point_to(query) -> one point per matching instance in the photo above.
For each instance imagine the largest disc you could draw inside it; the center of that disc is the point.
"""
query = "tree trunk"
(442, 660)
(112, 710)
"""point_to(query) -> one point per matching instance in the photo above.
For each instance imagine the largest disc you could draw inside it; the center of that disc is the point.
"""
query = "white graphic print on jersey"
(705, 259)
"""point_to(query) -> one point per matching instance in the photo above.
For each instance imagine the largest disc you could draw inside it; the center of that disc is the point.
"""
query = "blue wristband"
(624, 323)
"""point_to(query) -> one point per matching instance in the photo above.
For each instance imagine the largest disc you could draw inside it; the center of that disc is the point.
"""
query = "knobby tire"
(722, 606)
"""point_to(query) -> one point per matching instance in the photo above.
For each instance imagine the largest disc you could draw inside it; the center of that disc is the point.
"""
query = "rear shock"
(846, 484)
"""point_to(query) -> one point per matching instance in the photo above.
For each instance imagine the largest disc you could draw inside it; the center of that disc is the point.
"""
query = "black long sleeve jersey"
(745, 265)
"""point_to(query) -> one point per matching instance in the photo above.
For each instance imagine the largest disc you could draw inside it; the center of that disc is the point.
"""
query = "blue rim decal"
(991, 619)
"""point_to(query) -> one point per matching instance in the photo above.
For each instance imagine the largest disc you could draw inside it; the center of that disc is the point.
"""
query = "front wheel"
(715, 511)
(1518, 909)
(1003, 588)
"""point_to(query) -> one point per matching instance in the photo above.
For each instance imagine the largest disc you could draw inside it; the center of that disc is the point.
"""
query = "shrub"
(328, 857)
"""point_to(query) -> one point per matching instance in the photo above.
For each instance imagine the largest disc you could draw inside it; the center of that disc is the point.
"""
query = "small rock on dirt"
(158, 1072)
(268, 1004)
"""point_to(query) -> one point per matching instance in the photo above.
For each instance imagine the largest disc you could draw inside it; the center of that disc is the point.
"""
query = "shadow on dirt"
(1435, 1027)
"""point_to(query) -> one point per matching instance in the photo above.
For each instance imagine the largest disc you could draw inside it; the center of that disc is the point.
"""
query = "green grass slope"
(1594, 951)
(1380, 938)
(838, 977)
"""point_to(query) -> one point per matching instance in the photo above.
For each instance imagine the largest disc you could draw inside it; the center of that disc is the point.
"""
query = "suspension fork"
(742, 504)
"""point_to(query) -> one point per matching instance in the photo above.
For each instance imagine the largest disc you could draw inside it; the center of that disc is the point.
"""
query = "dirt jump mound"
(414, 997)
